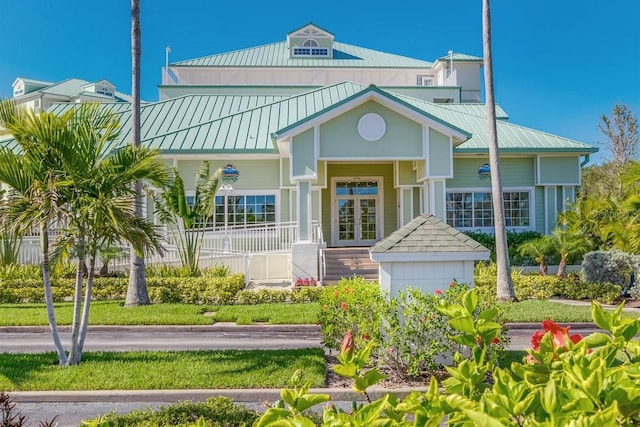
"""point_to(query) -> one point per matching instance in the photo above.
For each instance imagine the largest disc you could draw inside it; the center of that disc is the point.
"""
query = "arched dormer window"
(310, 47)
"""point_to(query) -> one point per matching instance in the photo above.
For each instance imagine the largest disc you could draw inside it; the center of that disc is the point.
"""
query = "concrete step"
(348, 262)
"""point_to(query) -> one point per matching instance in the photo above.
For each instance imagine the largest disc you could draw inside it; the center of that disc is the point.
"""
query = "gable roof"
(460, 57)
(277, 55)
(428, 234)
(73, 87)
(512, 138)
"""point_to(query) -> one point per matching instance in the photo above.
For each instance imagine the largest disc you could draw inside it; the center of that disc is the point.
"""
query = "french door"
(356, 216)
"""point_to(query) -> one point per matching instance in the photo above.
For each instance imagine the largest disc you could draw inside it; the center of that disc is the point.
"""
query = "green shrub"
(514, 240)
(306, 294)
(217, 271)
(353, 304)
(216, 412)
(608, 267)
(534, 285)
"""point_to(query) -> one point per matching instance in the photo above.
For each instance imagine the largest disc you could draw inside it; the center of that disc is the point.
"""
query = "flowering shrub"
(418, 338)
(307, 281)
(566, 380)
(351, 305)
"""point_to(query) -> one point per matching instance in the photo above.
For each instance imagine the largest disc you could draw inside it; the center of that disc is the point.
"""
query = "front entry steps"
(348, 262)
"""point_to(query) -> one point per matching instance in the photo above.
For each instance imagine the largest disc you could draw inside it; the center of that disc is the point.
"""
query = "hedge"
(187, 290)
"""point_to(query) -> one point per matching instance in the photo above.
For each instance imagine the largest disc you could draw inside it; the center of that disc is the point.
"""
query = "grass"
(272, 313)
(539, 310)
(114, 313)
(161, 370)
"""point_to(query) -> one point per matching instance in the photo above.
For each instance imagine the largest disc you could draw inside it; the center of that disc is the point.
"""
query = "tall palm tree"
(89, 190)
(186, 220)
(137, 292)
(505, 291)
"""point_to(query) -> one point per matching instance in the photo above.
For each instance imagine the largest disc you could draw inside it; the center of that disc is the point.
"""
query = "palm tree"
(567, 244)
(89, 190)
(33, 176)
(505, 291)
(137, 292)
(540, 249)
(187, 221)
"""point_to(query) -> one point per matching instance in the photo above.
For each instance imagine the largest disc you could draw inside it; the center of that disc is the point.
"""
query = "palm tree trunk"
(74, 354)
(137, 292)
(505, 291)
(48, 295)
(87, 306)
(562, 267)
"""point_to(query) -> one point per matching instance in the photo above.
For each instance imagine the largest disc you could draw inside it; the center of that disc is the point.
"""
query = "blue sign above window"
(484, 172)
(230, 174)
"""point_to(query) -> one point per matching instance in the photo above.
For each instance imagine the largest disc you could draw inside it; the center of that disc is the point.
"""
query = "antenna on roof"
(167, 51)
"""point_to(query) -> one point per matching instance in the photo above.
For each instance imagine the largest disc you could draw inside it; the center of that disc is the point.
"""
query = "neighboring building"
(351, 143)
(38, 95)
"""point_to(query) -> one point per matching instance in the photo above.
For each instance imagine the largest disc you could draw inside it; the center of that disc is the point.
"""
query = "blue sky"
(558, 64)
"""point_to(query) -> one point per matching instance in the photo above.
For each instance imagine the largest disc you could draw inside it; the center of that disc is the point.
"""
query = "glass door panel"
(356, 219)
(368, 226)
(346, 219)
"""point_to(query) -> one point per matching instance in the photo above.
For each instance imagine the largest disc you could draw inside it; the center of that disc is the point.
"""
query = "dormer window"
(310, 47)
(18, 89)
(104, 90)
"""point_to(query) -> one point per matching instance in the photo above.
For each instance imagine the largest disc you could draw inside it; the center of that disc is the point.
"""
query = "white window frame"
(532, 209)
(220, 193)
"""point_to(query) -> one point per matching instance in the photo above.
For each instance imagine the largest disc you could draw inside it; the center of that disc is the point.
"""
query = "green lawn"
(538, 310)
(161, 370)
(114, 313)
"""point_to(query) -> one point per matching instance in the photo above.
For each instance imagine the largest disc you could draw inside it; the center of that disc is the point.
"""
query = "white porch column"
(304, 211)
(427, 204)
(304, 252)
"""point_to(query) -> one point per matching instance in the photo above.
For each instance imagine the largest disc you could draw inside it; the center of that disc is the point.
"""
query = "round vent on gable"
(371, 127)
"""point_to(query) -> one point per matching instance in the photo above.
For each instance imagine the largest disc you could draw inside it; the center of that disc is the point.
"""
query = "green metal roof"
(511, 137)
(277, 55)
(246, 123)
(461, 57)
(34, 82)
(426, 233)
(72, 87)
(477, 110)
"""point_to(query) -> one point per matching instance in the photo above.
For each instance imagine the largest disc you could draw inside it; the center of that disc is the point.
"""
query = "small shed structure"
(427, 254)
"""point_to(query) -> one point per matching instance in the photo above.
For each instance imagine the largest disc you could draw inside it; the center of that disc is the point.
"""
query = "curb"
(218, 327)
(172, 396)
(538, 325)
(232, 327)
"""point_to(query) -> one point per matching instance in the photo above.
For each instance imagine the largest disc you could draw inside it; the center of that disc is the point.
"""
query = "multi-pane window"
(474, 209)
(246, 210)
(310, 47)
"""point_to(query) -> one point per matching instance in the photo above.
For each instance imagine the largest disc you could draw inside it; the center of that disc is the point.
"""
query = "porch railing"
(233, 247)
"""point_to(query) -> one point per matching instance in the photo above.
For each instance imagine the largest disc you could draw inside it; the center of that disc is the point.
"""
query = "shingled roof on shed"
(427, 234)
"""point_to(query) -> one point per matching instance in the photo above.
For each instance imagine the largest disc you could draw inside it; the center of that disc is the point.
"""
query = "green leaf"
(373, 377)
(481, 419)
(470, 301)
(600, 317)
(289, 396)
(596, 339)
(489, 314)
(549, 397)
(368, 413)
(309, 400)
(346, 371)
(462, 324)
(270, 416)
(628, 330)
